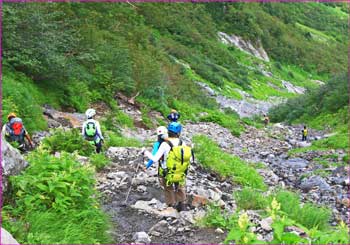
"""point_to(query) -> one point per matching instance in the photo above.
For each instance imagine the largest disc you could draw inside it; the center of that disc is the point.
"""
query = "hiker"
(91, 130)
(15, 131)
(173, 116)
(304, 134)
(174, 159)
(266, 120)
(162, 133)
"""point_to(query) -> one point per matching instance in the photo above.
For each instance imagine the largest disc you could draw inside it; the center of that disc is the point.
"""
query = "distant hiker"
(174, 159)
(14, 131)
(266, 120)
(173, 116)
(304, 134)
(91, 130)
(162, 133)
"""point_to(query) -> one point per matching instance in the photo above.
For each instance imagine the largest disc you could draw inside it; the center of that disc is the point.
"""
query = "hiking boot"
(181, 207)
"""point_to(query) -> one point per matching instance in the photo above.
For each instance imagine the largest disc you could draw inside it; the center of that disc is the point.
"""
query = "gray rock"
(314, 182)
(244, 45)
(266, 224)
(125, 155)
(219, 231)
(142, 188)
(7, 238)
(12, 162)
(141, 237)
(161, 227)
(303, 144)
(295, 163)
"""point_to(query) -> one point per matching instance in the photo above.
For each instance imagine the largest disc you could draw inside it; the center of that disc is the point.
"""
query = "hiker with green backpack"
(175, 158)
(91, 130)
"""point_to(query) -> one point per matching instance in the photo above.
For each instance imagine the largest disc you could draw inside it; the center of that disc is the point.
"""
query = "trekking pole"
(132, 181)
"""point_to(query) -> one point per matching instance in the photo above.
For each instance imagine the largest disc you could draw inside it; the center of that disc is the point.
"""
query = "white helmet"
(162, 130)
(90, 113)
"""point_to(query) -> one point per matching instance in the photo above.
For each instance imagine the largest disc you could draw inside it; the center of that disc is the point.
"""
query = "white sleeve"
(82, 129)
(99, 130)
(163, 150)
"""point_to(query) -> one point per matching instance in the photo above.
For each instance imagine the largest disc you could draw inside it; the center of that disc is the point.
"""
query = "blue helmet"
(175, 127)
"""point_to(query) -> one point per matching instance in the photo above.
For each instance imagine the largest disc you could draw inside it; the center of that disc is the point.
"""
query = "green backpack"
(178, 161)
(90, 129)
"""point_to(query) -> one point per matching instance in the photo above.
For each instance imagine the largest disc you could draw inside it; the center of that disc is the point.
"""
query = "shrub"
(249, 198)
(69, 141)
(99, 160)
(58, 194)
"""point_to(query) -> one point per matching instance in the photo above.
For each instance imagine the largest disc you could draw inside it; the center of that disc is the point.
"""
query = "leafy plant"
(69, 141)
(249, 198)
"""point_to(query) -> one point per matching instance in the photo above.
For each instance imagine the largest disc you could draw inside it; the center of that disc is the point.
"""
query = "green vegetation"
(249, 198)
(20, 95)
(285, 210)
(68, 141)
(56, 193)
(113, 139)
(161, 49)
(212, 157)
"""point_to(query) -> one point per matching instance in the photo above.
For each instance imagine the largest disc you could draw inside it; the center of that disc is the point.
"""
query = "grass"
(115, 140)
(308, 215)
(212, 157)
(316, 34)
(249, 198)
(21, 96)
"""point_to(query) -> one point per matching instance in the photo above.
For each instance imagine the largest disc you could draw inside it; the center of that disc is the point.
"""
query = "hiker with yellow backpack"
(304, 134)
(174, 159)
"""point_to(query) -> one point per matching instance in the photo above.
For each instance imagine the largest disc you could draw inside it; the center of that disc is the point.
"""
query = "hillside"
(222, 66)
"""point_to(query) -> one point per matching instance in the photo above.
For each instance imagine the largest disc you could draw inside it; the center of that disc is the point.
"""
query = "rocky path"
(146, 212)
(321, 177)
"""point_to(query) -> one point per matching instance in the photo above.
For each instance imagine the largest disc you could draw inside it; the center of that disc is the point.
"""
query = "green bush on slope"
(55, 202)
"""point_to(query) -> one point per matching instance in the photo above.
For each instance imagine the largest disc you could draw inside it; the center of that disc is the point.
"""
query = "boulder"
(141, 237)
(7, 238)
(12, 162)
(295, 163)
(314, 182)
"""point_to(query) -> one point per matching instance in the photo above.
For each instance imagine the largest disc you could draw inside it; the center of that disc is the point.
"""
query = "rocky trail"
(144, 218)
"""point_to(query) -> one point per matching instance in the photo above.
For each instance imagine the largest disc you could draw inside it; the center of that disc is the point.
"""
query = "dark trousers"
(304, 138)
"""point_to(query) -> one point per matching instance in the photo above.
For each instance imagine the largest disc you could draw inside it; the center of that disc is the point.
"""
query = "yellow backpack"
(178, 161)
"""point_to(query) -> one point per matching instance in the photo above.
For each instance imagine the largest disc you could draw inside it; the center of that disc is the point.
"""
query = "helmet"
(12, 114)
(173, 111)
(175, 127)
(90, 113)
(162, 130)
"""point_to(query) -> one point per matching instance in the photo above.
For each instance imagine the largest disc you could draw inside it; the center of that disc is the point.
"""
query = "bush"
(68, 141)
(99, 161)
(249, 198)
(21, 96)
(58, 194)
